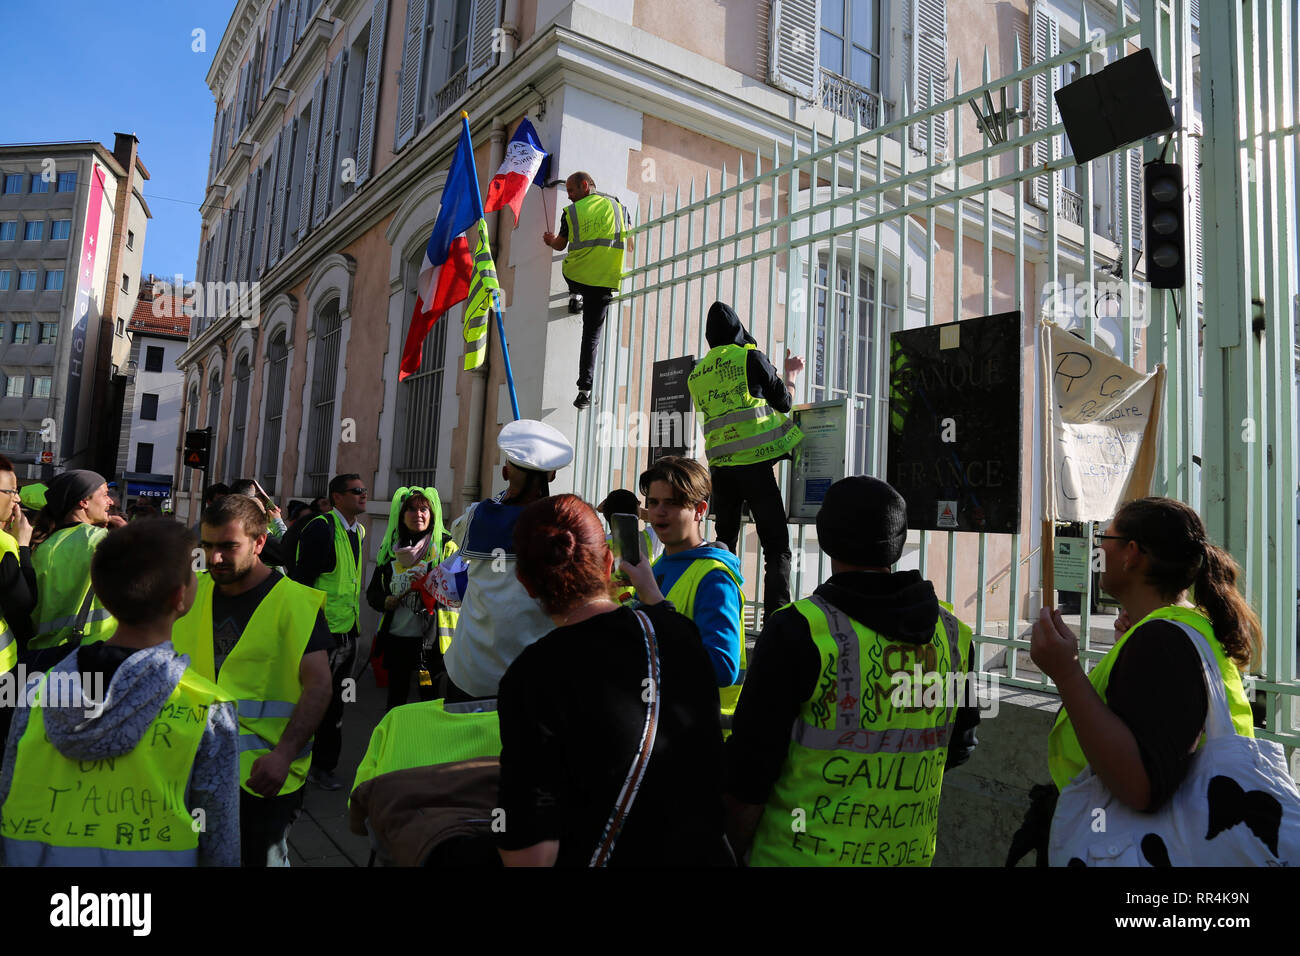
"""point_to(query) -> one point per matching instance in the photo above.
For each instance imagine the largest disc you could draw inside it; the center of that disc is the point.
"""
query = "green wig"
(436, 530)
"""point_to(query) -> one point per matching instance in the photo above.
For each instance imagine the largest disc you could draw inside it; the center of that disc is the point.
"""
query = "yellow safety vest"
(1065, 757)
(739, 429)
(62, 563)
(115, 811)
(342, 586)
(430, 733)
(8, 640)
(261, 673)
(861, 781)
(682, 595)
(596, 241)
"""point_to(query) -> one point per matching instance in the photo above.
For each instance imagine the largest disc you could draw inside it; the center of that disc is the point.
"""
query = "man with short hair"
(832, 720)
(264, 640)
(329, 558)
(130, 756)
(77, 504)
(701, 580)
(273, 553)
(593, 228)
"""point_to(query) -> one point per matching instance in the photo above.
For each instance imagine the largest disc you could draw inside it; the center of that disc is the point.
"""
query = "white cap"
(534, 445)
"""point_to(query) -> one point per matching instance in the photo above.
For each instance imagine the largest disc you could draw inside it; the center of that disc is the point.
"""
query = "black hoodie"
(786, 666)
(723, 328)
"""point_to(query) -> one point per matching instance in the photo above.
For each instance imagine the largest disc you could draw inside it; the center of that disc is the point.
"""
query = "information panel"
(819, 458)
(672, 419)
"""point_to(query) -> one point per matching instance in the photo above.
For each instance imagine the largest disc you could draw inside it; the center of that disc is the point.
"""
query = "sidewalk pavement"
(321, 836)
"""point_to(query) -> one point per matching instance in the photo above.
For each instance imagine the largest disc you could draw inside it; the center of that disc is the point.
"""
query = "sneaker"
(324, 779)
(575, 304)
(583, 400)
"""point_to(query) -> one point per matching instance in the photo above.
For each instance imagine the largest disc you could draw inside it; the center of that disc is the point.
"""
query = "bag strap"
(1218, 715)
(636, 773)
(79, 628)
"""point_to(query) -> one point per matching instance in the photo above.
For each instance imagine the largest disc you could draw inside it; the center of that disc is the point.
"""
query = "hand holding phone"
(626, 543)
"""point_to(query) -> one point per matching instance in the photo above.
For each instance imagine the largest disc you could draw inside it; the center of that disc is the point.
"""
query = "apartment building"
(151, 410)
(72, 230)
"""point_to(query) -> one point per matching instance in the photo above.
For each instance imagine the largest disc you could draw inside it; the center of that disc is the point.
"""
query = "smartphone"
(266, 499)
(626, 538)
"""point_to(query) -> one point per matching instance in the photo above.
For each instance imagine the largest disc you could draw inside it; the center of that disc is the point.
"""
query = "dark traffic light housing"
(1163, 195)
(197, 441)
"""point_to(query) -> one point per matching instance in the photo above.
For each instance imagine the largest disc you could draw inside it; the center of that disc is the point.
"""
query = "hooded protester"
(411, 639)
(807, 710)
(742, 404)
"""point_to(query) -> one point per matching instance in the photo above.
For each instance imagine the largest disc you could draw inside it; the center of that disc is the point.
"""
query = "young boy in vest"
(163, 731)
(701, 580)
(832, 723)
(263, 638)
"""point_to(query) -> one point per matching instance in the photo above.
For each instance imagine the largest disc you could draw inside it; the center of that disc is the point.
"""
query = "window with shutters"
(419, 401)
(321, 426)
(297, 178)
(191, 423)
(214, 415)
(347, 135)
(1045, 43)
(238, 418)
(370, 93)
(277, 365)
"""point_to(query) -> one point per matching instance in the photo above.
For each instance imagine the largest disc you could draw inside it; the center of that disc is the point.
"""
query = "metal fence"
(827, 245)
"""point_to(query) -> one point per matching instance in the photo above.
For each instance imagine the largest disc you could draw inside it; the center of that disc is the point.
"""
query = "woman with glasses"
(1137, 718)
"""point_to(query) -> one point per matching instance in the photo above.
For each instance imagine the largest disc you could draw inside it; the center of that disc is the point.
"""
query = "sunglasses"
(357, 491)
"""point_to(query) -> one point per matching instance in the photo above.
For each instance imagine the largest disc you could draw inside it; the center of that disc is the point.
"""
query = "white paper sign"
(1102, 414)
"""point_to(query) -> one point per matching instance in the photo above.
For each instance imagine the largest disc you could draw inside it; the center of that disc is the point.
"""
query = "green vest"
(447, 616)
(8, 640)
(261, 674)
(861, 781)
(682, 595)
(430, 733)
(1065, 758)
(62, 563)
(116, 811)
(596, 241)
(739, 429)
(342, 586)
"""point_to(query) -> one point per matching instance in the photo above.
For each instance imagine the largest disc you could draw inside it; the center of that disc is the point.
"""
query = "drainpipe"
(472, 490)
(509, 31)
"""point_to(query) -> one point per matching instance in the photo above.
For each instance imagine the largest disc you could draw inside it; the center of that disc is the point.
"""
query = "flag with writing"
(525, 163)
(451, 272)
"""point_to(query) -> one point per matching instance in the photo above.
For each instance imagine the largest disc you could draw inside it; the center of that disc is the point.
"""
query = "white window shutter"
(328, 171)
(270, 189)
(290, 22)
(242, 231)
(216, 140)
(250, 225)
(273, 47)
(305, 10)
(792, 46)
(239, 100)
(1046, 39)
(255, 78)
(281, 194)
(927, 56)
(408, 90)
(370, 96)
(484, 28)
(1135, 195)
(310, 174)
(230, 223)
(1193, 176)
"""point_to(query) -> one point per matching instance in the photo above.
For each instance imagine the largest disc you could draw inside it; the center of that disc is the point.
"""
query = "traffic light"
(196, 448)
(1166, 264)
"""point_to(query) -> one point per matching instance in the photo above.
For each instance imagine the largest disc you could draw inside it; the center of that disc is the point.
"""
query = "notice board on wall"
(956, 407)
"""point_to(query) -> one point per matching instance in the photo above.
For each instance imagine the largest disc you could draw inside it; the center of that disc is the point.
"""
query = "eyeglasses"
(11, 491)
(357, 491)
(1098, 536)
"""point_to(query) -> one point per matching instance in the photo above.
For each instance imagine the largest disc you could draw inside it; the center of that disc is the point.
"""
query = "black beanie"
(863, 522)
(69, 488)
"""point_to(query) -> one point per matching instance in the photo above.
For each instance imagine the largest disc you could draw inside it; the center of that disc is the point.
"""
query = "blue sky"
(98, 70)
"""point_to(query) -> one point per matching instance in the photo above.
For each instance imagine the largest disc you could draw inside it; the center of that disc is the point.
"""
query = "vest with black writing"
(739, 428)
(861, 781)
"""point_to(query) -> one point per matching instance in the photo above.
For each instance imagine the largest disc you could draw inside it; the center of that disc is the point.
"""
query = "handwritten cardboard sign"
(1103, 420)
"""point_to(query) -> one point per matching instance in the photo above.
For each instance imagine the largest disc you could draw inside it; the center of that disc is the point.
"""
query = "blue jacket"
(717, 606)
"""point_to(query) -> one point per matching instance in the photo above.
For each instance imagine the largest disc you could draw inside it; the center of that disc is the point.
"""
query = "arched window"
(191, 423)
(322, 427)
(277, 365)
(419, 400)
(214, 416)
(238, 419)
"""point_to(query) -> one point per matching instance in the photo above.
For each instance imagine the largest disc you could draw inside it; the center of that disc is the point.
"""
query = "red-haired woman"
(574, 713)
(1137, 718)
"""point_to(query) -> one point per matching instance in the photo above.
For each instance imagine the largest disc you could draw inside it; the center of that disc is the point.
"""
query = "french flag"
(448, 263)
(525, 163)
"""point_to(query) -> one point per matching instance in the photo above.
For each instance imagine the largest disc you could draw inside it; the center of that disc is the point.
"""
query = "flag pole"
(505, 354)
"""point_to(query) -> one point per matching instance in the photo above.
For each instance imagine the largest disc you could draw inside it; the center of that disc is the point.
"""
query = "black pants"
(329, 735)
(755, 484)
(264, 822)
(595, 307)
(404, 666)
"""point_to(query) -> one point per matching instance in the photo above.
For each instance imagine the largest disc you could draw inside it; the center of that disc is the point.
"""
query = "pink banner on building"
(81, 309)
